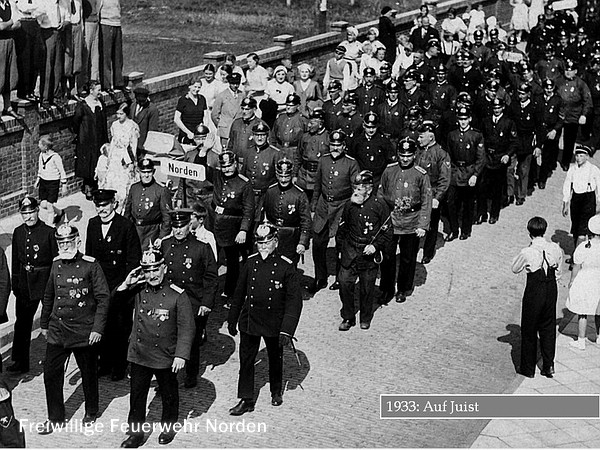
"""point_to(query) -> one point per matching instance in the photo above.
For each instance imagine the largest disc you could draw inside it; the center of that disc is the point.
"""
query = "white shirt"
(53, 13)
(203, 235)
(582, 179)
(50, 166)
(532, 258)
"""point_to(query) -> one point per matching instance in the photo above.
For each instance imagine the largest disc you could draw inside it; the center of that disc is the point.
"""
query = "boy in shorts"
(51, 177)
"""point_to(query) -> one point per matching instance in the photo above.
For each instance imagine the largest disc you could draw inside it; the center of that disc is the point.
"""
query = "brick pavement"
(456, 334)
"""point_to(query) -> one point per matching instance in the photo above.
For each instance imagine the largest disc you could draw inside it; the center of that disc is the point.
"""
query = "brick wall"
(18, 140)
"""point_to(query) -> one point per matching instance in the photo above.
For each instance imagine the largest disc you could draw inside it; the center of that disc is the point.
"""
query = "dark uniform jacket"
(147, 120)
(289, 210)
(500, 139)
(470, 81)
(333, 188)
(33, 249)
(436, 161)
(288, 129)
(467, 155)
(163, 326)
(191, 265)
(332, 111)
(553, 116)
(349, 124)
(407, 192)
(149, 206)
(75, 302)
(593, 82)
(373, 153)
(232, 205)
(391, 119)
(268, 299)
(442, 97)
(414, 98)
(310, 149)
(241, 139)
(119, 252)
(369, 98)
(552, 69)
(4, 288)
(528, 120)
(577, 98)
(259, 167)
(192, 191)
(361, 225)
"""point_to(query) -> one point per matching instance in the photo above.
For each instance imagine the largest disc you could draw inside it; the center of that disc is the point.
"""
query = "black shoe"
(465, 236)
(529, 192)
(493, 220)
(450, 237)
(426, 259)
(520, 201)
(365, 325)
(400, 297)
(190, 382)
(276, 399)
(89, 419)
(50, 426)
(481, 219)
(549, 372)
(335, 286)
(386, 297)
(133, 441)
(542, 185)
(346, 325)
(510, 200)
(317, 286)
(528, 375)
(242, 407)
(166, 437)
(17, 368)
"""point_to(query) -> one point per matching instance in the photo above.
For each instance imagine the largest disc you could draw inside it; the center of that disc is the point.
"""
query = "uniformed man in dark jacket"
(441, 93)
(74, 315)
(145, 114)
(371, 149)
(33, 249)
(148, 205)
(333, 188)
(501, 144)
(112, 240)
(267, 303)
(363, 234)
(233, 210)
(289, 127)
(552, 122)
(4, 290)
(436, 161)
(241, 138)
(191, 265)
(467, 158)
(350, 120)
(311, 147)
(332, 108)
(392, 113)
(288, 208)
(466, 77)
(369, 94)
(406, 189)
(412, 95)
(159, 344)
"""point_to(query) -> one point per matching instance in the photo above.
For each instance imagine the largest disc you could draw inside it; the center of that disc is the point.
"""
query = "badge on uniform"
(159, 314)
(219, 210)
(372, 158)
(84, 291)
(501, 134)
(108, 238)
(319, 155)
(36, 248)
(572, 89)
(5, 421)
(336, 173)
(72, 293)
(231, 194)
(406, 184)
(551, 109)
(368, 227)
(81, 304)
(291, 209)
(278, 284)
(188, 263)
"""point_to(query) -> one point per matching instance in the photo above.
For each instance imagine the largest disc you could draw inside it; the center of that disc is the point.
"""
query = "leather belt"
(282, 224)
(31, 267)
(310, 166)
(259, 192)
(145, 223)
(414, 208)
(227, 211)
(333, 198)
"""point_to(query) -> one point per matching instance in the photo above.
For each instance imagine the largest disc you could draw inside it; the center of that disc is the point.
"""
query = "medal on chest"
(188, 263)
(291, 208)
(368, 227)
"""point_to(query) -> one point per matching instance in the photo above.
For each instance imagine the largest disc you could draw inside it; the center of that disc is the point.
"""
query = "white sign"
(564, 4)
(180, 169)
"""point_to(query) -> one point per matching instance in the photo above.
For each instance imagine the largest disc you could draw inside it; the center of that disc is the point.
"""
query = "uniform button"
(139, 330)
(139, 340)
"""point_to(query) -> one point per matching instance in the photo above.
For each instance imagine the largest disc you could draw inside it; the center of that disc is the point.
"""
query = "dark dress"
(92, 132)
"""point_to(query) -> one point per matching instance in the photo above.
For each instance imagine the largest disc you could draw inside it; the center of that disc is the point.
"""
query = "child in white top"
(51, 177)
(199, 214)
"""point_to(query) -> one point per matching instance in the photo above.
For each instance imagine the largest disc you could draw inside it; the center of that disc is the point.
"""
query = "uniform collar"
(149, 184)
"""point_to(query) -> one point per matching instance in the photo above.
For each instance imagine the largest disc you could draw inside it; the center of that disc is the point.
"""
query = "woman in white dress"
(584, 287)
(535, 9)
(121, 171)
(210, 88)
(519, 21)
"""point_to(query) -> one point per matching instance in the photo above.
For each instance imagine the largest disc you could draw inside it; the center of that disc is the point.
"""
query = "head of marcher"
(260, 133)
(335, 89)
(153, 265)
(200, 135)
(105, 203)
(283, 172)
(316, 123)
(146, 168)
(497, 107)
(337, 143)
(362, 187)
(406, 152)
(570, 69)
(524, 92)
(180, 222)
(248, 107)
(349, 103)
(142, 95)
(266, 239)
(68, 240)
(426, 134)
(369, 76)
(370, 123)
(463, 115)
(548, 86)
(292, 103)
(228, 163)
(393, 91)
(582, 154)
(29, 208)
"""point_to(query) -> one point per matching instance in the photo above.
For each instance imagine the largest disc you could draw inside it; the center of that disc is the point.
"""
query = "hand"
(420, 232)
(565, 209)
(45, 333)
(95, 337)
(435, 203)
(178, 364)
(63, 188)
(505, 159)
(157, 242)
(551, 134)
(300, 249)
(284, 340)
(190, 135)
(134, 277)
(582, 120)
(473, 180)
(369, 250)
(294, 180)
(241, 237)
(232, 328)
(179, 204)
(537, 152)
(204, 311)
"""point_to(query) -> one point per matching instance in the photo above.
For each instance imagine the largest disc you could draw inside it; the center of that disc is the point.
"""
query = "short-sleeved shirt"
(192, 114)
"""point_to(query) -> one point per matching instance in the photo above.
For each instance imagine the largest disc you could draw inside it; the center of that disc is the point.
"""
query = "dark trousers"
(409, 247)
(493, 183)
(112, 57)
(192, 368)
(54, 377)
(141, 376)
(51, 75)
(523, 168)
(25, 311)
(570, 131)
(461, 196)
(249, 345)
(113, 347)
(549, 157)
(319, 252)
(232, 258)
(432, 234)
(29, 48)
(366, 272)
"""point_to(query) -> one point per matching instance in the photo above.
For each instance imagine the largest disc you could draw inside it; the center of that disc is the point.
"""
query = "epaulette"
(350, 157)
(253, 255)
(88, 258)
(420, 169)
(392, 164)
(176, 288)
(243, 177)
(285, 258)
(298, 187)
(57, 258)
(273, 185)
(272, 146)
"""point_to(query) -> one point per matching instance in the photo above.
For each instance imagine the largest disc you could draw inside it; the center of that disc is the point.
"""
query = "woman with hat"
(309, 91)
(584, 287)
(278, 88)
(581, 193)
(122, 157)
